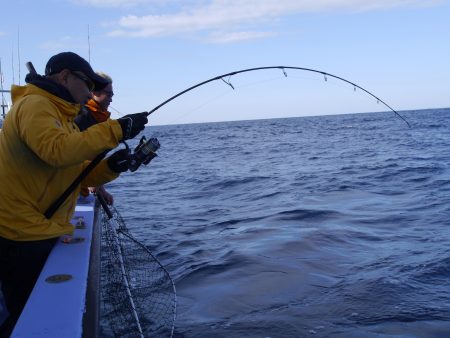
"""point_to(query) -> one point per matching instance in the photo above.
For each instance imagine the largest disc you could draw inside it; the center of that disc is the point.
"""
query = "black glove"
(31, 77)
(132, 124)
(119, 162)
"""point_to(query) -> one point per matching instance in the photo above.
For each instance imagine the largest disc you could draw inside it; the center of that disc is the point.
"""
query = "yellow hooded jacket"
(41, 152)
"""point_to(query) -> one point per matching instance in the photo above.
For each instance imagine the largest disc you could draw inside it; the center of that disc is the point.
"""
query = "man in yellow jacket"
(42, 151)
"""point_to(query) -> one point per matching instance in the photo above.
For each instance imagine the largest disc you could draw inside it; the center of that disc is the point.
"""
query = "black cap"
(72, 61)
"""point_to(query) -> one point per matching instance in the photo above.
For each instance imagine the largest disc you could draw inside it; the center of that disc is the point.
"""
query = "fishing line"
(189, 112)
(221, 94)
(249, 85)
(118, 112)
(254, 83)
(226, 78)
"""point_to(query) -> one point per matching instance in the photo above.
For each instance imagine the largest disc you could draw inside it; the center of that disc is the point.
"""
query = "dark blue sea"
(330, 226)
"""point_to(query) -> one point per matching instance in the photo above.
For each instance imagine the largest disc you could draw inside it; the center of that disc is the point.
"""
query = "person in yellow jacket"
(42, 151)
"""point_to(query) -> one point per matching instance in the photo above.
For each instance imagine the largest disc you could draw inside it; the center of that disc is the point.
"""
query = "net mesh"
(138, 296)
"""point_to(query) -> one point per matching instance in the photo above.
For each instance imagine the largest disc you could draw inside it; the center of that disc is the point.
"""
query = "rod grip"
(30, 68)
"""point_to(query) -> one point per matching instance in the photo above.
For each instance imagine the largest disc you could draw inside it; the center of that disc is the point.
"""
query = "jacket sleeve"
(56, 140)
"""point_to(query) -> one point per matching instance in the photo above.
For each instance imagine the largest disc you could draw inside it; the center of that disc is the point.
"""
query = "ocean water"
(331, 226)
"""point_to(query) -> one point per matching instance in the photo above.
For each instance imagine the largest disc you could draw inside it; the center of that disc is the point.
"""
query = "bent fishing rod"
(283, 69)
(52, 209)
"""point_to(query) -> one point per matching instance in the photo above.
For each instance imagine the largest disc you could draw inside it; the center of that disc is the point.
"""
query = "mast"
(3, 91)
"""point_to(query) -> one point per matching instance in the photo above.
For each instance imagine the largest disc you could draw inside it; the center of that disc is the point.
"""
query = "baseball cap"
(74, 62)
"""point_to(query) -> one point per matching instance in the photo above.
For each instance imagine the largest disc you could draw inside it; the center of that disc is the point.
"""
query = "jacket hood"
(50, 86)
(20, 92)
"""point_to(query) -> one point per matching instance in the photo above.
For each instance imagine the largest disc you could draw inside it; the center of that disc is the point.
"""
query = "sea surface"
(329, 226)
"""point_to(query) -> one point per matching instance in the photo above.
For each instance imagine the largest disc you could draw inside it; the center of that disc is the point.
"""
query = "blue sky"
(397, 49)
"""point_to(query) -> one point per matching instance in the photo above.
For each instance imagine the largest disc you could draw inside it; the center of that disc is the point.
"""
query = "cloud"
(113, 3)
(219, 37)
(230, 20)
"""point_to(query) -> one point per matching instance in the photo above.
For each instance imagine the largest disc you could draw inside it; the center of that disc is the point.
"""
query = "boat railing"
(65, 299)
(4, 105)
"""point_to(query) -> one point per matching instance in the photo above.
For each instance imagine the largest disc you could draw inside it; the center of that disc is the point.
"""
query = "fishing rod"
(147, 143)
(283, 69)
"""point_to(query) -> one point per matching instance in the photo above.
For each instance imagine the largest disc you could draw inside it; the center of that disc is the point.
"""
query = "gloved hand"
(31, 77)
(119, 162)
(132, 124)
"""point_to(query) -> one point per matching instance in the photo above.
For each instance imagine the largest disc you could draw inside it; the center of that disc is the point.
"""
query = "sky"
(398, 50)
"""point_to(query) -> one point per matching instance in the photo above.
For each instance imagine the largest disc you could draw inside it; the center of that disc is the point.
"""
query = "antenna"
(89, 46)
(18, 50)
(1, 89)
(12, 64)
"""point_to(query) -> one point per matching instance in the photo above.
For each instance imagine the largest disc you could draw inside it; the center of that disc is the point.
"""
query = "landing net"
(138, 296)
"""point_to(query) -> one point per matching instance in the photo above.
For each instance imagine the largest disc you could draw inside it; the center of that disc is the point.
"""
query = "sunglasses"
(85, 79)
(109, 93)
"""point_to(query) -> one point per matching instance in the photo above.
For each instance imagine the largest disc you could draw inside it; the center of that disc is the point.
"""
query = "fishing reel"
(143, 153)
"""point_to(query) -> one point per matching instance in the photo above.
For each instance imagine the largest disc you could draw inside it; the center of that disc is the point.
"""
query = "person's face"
(78, 84)
(104, 96)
